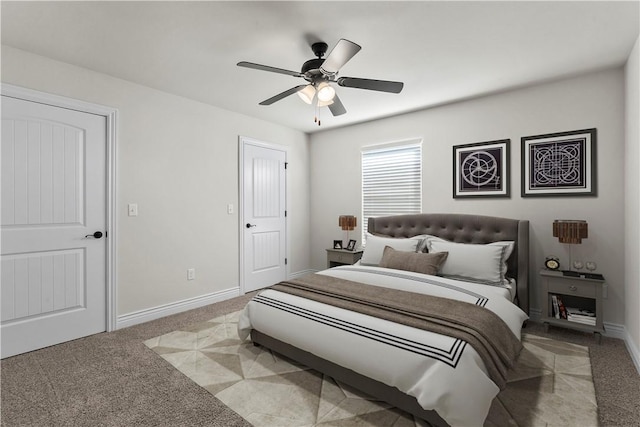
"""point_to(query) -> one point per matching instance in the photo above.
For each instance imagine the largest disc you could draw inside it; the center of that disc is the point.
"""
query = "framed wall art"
(559, 164)
(481, 169)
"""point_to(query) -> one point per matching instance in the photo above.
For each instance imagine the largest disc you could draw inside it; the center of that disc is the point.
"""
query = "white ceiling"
(442, 51)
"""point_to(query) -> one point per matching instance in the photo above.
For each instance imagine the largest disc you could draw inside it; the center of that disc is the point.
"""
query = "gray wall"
(593, 100)
(178, 160)
(632, 205)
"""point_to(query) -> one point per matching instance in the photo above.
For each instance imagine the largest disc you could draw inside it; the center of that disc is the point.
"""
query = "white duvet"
(443, 373)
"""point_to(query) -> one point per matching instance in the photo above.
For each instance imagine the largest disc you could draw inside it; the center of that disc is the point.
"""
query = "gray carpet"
(113, 379)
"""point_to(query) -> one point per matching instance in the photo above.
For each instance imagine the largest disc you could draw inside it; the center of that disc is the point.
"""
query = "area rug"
(551, 384)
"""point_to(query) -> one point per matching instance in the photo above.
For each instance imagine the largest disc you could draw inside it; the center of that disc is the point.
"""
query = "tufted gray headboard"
(463, 228)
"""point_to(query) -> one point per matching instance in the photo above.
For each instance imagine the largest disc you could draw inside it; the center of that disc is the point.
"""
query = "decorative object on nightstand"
(347, 223)
(336, 257)
(572, 302)
(552, 263)
(571, 231)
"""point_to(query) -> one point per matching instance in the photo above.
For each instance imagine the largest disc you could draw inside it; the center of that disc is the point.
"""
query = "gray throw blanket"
(485, 331)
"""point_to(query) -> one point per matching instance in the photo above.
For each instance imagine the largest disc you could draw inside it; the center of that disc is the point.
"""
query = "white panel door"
(53, 176)
(264, 226)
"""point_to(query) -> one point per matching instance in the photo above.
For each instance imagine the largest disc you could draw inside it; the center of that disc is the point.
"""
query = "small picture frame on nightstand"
(337, 244)
(352, 245)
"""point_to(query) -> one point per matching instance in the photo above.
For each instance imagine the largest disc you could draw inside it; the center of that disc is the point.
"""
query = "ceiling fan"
(321, 72)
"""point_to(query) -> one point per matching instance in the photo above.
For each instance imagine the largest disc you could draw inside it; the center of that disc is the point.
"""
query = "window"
(391, 180)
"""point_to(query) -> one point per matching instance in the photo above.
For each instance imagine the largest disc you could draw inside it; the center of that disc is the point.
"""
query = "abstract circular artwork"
(481, 169)
(559, 164)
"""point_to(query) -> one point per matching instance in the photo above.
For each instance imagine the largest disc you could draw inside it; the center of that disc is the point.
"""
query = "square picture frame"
(561, 164)
(352, 245)
(482, 169)
(337, 244)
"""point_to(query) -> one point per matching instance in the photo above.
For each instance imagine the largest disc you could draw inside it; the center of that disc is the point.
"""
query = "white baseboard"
(633, 350)
(614, 330)
(301, 273)
(153, 313)
(535, 314)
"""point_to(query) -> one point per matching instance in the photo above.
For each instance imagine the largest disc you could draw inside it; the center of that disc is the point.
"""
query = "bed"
(429, 375)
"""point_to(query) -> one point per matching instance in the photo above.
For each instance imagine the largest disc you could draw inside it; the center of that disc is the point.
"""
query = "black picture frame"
(337, 244)
(561, 164)
(482, 169)
(352, 245)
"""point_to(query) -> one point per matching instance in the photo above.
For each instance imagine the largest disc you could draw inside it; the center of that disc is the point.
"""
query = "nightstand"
(336, 257)
(580, 296)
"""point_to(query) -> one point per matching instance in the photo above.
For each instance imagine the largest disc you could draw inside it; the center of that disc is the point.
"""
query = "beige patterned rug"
(551, 384)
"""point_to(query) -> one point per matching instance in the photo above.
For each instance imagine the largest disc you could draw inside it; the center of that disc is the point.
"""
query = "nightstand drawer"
(338, 257)
(569, 287)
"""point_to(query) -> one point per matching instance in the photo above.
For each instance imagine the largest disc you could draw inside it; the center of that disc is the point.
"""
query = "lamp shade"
(307, 93)
(325, 92)
(347, 222)
(570, 230)
(324, 103)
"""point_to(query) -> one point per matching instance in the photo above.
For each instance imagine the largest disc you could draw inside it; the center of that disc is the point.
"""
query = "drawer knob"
(573, 288)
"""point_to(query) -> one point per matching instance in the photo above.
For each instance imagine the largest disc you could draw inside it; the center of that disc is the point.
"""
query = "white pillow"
(375, 247)
(481, 263)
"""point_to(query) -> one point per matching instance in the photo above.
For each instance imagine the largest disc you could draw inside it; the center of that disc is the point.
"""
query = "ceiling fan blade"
(336, 108)
(284, 94)
(379, 85)
(268, 68)
(342, 52)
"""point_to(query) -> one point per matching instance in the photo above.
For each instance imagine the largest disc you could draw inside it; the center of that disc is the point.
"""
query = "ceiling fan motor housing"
(319, 49)
(311, 68)
(312, 65)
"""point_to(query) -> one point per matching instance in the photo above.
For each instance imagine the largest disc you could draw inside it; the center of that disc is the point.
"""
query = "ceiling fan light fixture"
(325, 92)
(307, 94)
(324, 103)
(320, 73)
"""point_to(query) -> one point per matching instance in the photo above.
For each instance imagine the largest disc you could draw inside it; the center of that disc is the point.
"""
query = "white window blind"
(391, 180)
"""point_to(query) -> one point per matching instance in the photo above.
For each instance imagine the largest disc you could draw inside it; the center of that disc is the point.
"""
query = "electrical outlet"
(191, 273)
(229, 209)
(132, 209)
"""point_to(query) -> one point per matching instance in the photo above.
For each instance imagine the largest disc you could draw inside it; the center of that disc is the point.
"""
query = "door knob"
(96, 235)
(250, 225)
